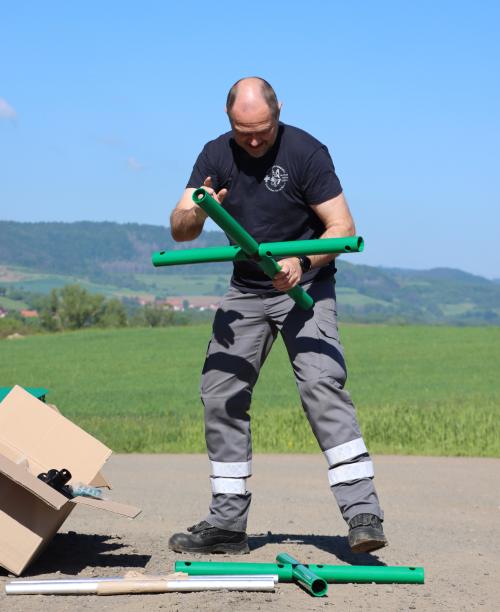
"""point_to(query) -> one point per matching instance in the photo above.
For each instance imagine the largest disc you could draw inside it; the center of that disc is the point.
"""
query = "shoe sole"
(368, 546)
(367, 540)
(223, 549)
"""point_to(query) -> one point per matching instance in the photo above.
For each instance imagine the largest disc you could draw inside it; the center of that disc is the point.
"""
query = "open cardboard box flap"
(30, 427)
(23, 478)
(110, 506)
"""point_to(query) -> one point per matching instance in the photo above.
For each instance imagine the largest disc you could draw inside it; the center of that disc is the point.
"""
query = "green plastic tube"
(302, 574)
(250, 246)
(192, 256)
(319, 246)
(226, 222)
(380, 574)
(351, 244)
(224, 568)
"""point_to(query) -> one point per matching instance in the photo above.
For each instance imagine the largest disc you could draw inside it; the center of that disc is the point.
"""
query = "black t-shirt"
(271, 196)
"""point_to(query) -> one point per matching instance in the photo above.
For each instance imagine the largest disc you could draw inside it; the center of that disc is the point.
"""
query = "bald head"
(253, 111)
(251, 94)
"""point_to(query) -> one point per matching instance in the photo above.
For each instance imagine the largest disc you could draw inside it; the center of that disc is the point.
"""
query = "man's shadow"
(70, 553)
(334, 545)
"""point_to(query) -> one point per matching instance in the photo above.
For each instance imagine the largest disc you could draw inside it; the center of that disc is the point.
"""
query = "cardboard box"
(34, 438)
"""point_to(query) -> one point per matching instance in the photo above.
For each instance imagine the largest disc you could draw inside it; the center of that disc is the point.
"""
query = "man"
(280, 184)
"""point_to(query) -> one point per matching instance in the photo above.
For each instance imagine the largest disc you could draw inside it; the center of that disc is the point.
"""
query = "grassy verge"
(419, 390)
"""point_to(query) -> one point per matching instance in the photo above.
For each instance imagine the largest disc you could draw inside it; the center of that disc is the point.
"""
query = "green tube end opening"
(355, 247)
(199, 195)
(319, 587)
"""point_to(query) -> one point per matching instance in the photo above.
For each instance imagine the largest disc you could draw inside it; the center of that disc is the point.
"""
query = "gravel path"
(441, 513)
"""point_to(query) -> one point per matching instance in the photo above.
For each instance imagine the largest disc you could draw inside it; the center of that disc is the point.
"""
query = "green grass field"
(418, 390)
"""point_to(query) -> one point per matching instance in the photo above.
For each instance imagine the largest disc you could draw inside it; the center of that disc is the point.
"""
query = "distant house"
(193, 302)
(29, 314)
(176, 304)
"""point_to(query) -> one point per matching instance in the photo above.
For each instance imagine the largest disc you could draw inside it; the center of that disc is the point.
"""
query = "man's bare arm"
(187, 219)
(338, 222)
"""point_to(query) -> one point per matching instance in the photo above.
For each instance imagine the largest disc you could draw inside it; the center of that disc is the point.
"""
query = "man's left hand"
(290, 274)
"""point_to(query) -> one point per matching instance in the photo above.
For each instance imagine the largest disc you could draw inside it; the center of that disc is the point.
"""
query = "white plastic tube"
(95, 586)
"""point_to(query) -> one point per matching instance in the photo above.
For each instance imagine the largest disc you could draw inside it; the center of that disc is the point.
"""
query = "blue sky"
(104, 107)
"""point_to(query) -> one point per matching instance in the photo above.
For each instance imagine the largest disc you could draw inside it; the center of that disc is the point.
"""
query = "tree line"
(73, 307)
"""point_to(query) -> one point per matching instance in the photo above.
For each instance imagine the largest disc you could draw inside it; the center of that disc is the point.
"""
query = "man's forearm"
(187, 223)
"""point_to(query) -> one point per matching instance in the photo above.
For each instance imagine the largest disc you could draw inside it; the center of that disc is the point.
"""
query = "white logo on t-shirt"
(276, 178)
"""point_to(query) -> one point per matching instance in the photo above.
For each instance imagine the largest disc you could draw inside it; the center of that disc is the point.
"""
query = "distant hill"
(118, 256)
(90, 248)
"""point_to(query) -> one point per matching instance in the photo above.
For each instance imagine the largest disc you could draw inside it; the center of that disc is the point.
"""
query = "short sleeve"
(320, 182)
(201, 170)
(206, 165)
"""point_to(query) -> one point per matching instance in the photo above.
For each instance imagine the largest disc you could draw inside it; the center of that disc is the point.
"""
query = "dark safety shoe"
(204, 538)
(366, 533)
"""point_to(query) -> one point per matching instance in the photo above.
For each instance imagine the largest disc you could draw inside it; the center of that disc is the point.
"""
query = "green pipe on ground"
(250, 246)
(380, 574)
(342, 574)
(350, 244)
(224, 568)
(309, 580)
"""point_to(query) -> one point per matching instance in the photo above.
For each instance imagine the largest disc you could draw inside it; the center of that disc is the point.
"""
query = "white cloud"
(6, 110)
(135, 165)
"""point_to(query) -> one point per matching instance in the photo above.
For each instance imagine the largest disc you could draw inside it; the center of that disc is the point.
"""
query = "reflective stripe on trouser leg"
(231, 469)
(349, 472)
(345, 452)
(229, 486)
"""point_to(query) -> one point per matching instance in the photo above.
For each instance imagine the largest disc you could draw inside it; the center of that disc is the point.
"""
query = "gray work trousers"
(244, 329)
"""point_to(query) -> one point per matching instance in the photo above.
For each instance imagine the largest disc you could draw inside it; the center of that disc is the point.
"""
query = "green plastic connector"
(302, 574)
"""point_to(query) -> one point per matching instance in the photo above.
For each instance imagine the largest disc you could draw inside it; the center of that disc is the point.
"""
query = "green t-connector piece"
(250, 246)
(342, 574)
(310, 581)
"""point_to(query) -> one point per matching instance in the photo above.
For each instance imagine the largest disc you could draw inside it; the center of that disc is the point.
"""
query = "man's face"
(255, 130)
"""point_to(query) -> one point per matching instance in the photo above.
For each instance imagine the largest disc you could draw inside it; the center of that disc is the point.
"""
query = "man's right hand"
(218, 197)
(187, 218)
